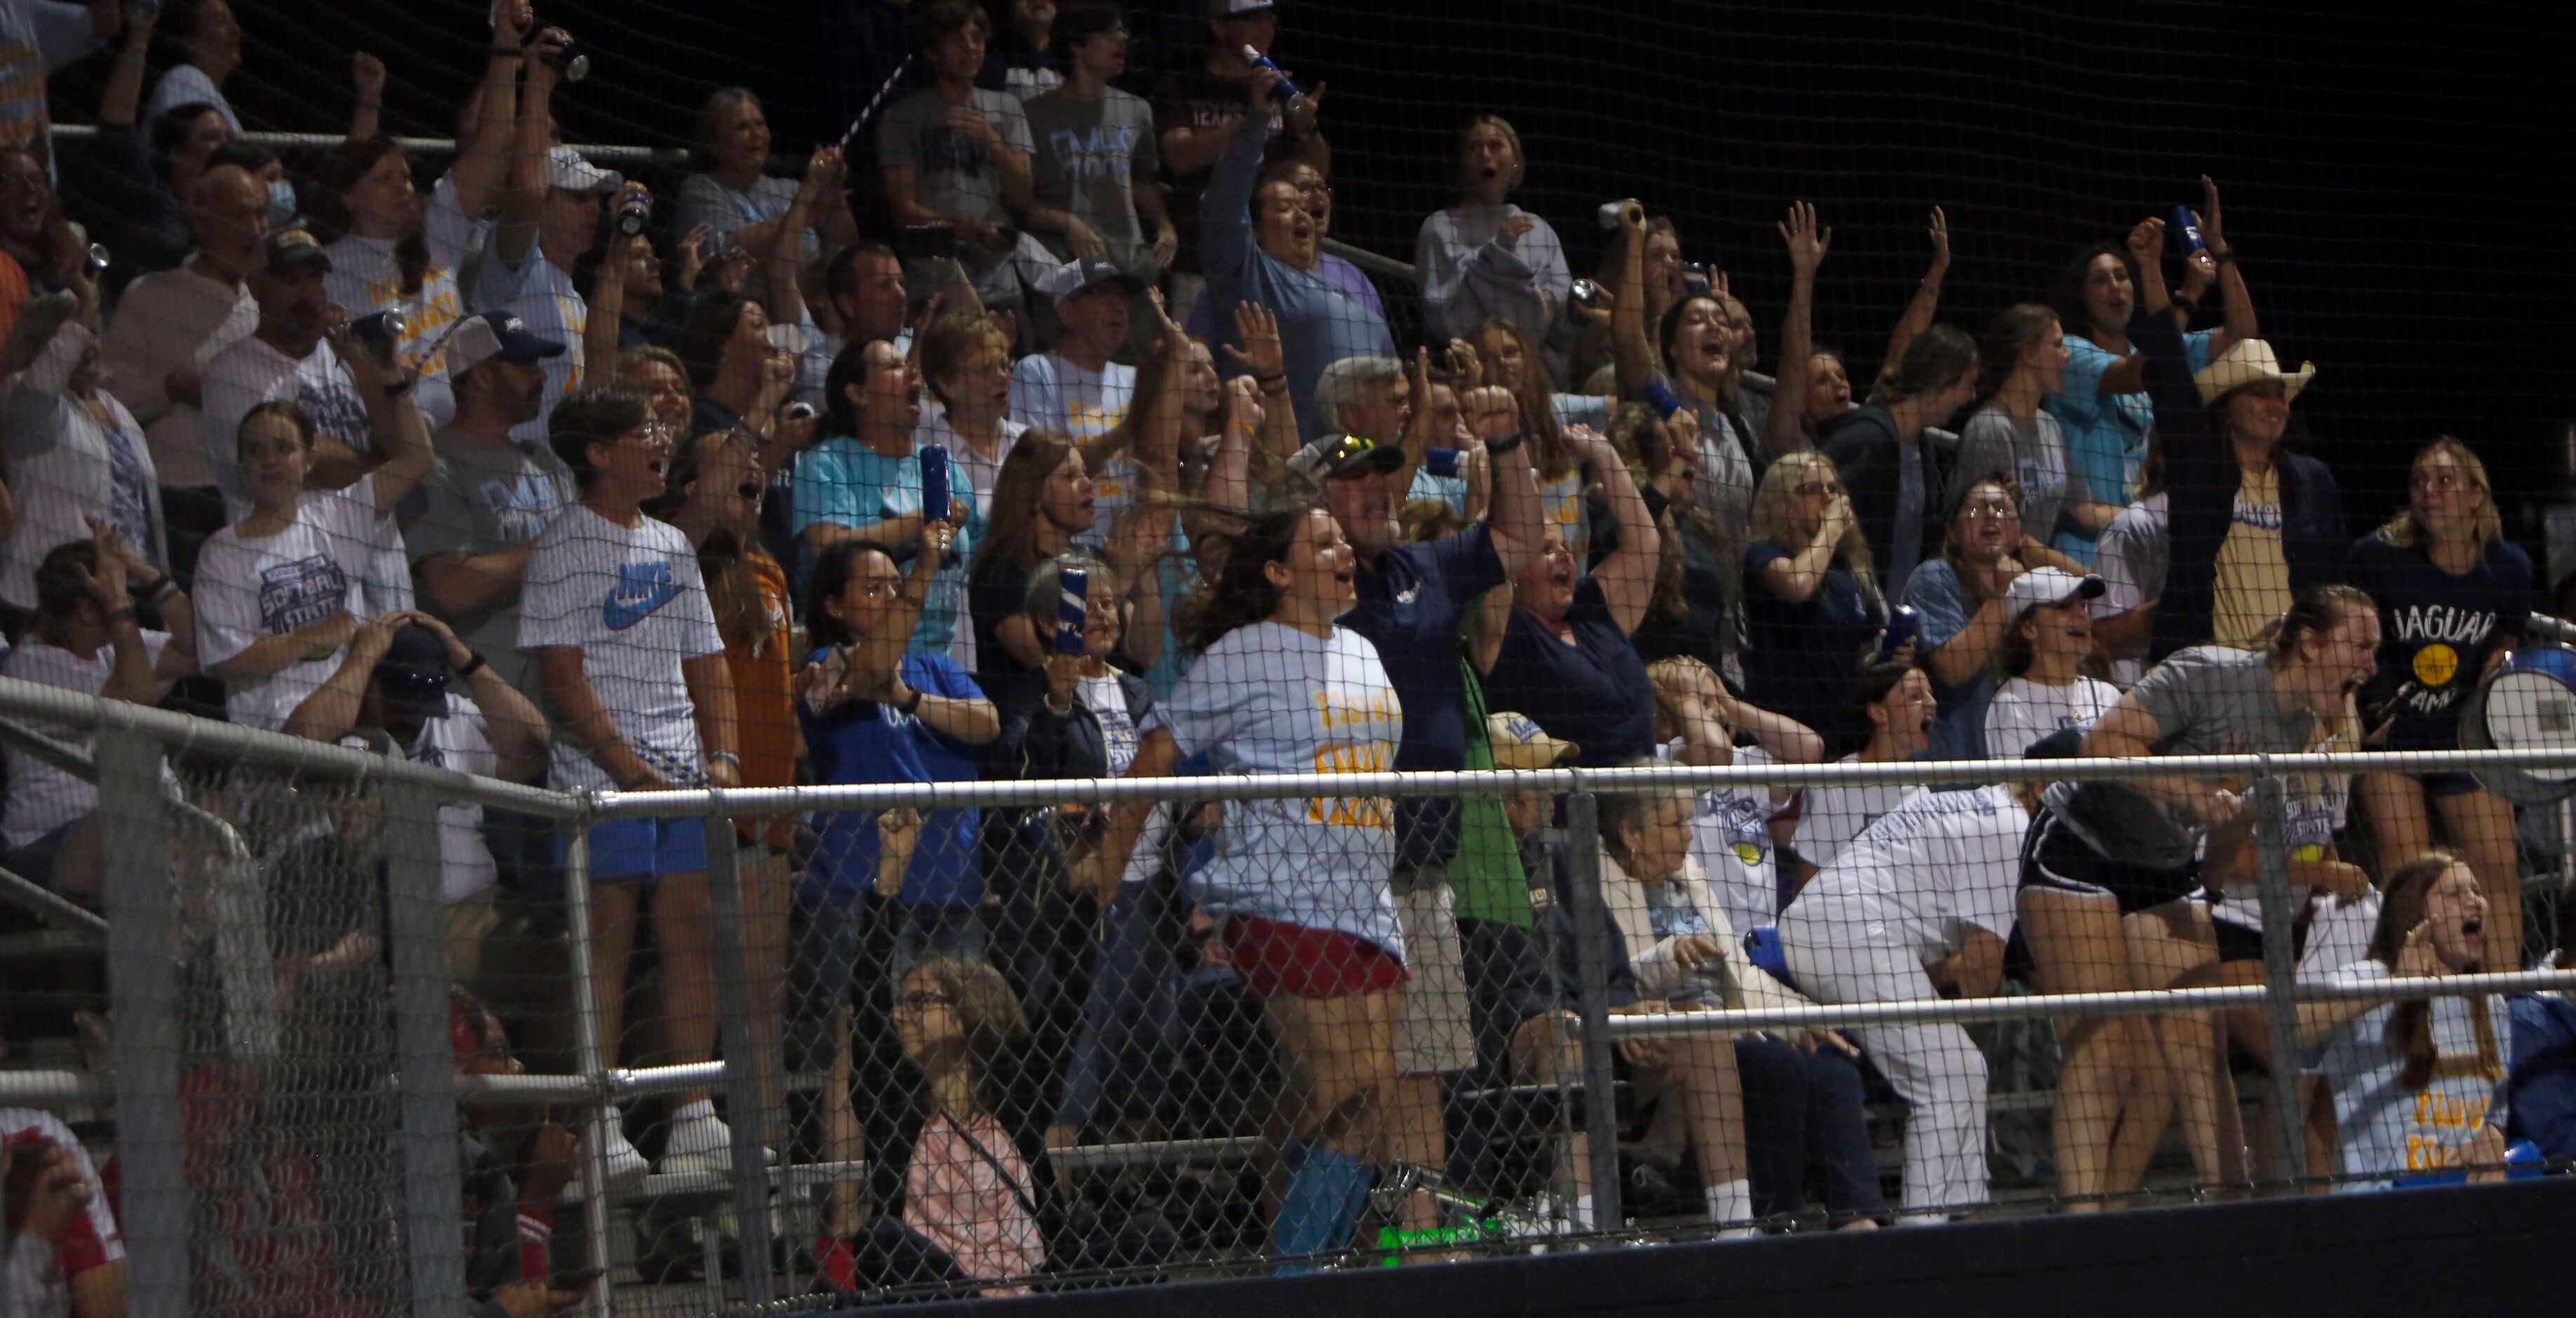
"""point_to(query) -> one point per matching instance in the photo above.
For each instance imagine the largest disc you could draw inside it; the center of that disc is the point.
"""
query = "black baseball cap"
(413, 674)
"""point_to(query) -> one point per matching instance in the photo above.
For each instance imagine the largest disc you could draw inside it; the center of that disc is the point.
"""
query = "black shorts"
(2237, 942)
(2053, 857)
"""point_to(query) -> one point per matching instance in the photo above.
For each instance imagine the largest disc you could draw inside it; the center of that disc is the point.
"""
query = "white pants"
(1937, 1069)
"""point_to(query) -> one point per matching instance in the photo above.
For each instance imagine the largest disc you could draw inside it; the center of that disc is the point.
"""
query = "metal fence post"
(1592, 1002)
(2280, 973)
(588, 1059)
(143, 972)
(743, 1065)
(433, 1188)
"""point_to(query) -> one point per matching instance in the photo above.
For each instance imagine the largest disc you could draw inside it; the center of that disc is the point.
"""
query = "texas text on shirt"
(631, 600)
(1267, 698)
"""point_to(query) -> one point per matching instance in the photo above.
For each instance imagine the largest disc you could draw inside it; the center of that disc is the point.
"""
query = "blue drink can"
(1441, 462)
(1072, 601)
(934, 483)
(2189, 228)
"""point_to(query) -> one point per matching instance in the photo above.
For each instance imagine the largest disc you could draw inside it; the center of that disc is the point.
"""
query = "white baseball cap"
(2051, 586)
(566, 171)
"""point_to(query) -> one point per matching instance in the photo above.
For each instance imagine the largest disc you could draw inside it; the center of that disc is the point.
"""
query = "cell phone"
(934, 483)
(1072, 607)
(926, 242)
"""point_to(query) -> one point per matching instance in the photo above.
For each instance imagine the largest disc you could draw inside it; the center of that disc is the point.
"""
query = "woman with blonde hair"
(2453, 596)
(1486, 258)
(1811, 601)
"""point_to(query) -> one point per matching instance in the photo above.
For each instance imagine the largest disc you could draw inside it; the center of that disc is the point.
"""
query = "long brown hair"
(1639, 436)
(1537, 404)
(2410, 1027)
(725, 560)
(1242, 593)
(1018, 491)
(327, 207)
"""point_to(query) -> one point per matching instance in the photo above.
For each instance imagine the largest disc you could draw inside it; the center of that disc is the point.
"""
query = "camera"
(634, 216)
(380, 331)
(1695, 278)
(1614, 213)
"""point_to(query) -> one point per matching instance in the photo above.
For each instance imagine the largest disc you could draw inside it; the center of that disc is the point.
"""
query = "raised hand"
(1940, 246)
(1303, 115)
(1257, 328)
(2147, 246)
(1243, 403)
(690, 254)
(1466, 369)
(106, 582)
(1492, 412)
(2213, 233)
(824, 171)
(367, 75)
(1807, 243)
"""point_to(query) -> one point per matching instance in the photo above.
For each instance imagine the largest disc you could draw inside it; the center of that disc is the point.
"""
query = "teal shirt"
(846, 483)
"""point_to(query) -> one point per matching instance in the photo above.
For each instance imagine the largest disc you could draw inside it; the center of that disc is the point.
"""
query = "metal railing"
(131, 742)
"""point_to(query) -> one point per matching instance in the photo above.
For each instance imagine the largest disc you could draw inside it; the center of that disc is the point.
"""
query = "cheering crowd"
(1039, 437)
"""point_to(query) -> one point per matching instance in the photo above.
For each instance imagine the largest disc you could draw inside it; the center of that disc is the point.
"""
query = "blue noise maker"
(1072, 600)
(934, 483)
(1442, 462)
(1283, 90)
(2527, 704)
(2188, 229)
(1904, 626)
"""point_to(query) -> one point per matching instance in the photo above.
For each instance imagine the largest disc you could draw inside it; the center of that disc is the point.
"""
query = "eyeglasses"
(1994, 512)
(2440, 479)
(1814, 488)
(920, 1000)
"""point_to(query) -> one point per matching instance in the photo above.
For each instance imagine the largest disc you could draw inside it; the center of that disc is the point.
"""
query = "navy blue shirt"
(1411, 603)
(1593, 693)
(1804, 659)
(2436, 631)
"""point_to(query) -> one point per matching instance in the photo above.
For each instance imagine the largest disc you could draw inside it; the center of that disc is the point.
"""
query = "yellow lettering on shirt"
(426, 316)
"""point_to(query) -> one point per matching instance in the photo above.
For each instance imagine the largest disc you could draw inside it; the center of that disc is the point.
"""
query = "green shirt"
(1485, 876)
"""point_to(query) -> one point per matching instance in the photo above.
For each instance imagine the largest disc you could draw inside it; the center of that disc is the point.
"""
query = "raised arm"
(367, 102)
(1627, 576)
(523, 198)
(1632, 346)
(1927, 295)
(2234, 298)
(1807, 246)
(484, 156)
(1516, 516)
(123, 94)
(332, 709)
(1151, 400)
(402, 455)
(1796, 578)
(1225, 211)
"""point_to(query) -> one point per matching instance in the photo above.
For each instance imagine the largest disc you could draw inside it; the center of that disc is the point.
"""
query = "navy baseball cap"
(497, 334)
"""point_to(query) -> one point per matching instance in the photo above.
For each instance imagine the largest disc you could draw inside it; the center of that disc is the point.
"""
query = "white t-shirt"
(2023, 711)
(1925, 873)
(1049, 391)
(1731, 837)
(251, 589)
(2387, 1130)
(166, 321)
(461, 741)
(250, 373)
(366, 277)
(43, 798)
(631, 600)
(67, 467)
(1832, 816)
(1107, 701)
(2130, 559)
(980, 471)
(1268, 698)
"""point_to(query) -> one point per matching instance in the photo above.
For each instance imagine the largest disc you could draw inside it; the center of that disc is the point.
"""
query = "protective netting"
(937, 394)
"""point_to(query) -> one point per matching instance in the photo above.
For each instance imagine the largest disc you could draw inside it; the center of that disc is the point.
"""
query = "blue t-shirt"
(2436, 631)
(865, 742)
(1411, 602)
(1940, 601)
(1593, 693)
(2106, 434)
(846, 483)
(1803, 659)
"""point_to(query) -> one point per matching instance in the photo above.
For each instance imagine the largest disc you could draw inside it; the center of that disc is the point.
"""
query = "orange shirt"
(13, 294)
(764, 709)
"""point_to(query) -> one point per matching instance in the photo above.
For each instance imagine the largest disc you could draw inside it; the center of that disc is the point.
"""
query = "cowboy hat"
(2249, 361)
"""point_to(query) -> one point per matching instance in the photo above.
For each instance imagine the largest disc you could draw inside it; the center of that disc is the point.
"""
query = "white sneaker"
(626, 1166)
(697, 1146)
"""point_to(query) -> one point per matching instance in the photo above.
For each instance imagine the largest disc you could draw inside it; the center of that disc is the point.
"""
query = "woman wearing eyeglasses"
(1811, 601)
(2453, 596)
(1960, 601)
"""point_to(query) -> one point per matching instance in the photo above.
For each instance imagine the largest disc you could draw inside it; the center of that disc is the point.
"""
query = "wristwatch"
(911, 706)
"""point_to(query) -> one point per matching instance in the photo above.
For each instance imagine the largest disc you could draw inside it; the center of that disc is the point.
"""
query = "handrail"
(717, 802)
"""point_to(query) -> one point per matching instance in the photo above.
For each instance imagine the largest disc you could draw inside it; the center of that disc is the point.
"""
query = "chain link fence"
(315, 1106)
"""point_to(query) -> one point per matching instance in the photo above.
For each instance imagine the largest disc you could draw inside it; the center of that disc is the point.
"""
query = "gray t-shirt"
(1088, 155)
(2034, 455)
(481, 499)
(2210, 700)
(953, 174)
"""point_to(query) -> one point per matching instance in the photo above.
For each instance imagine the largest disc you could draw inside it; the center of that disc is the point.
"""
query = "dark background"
(2385, 178)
